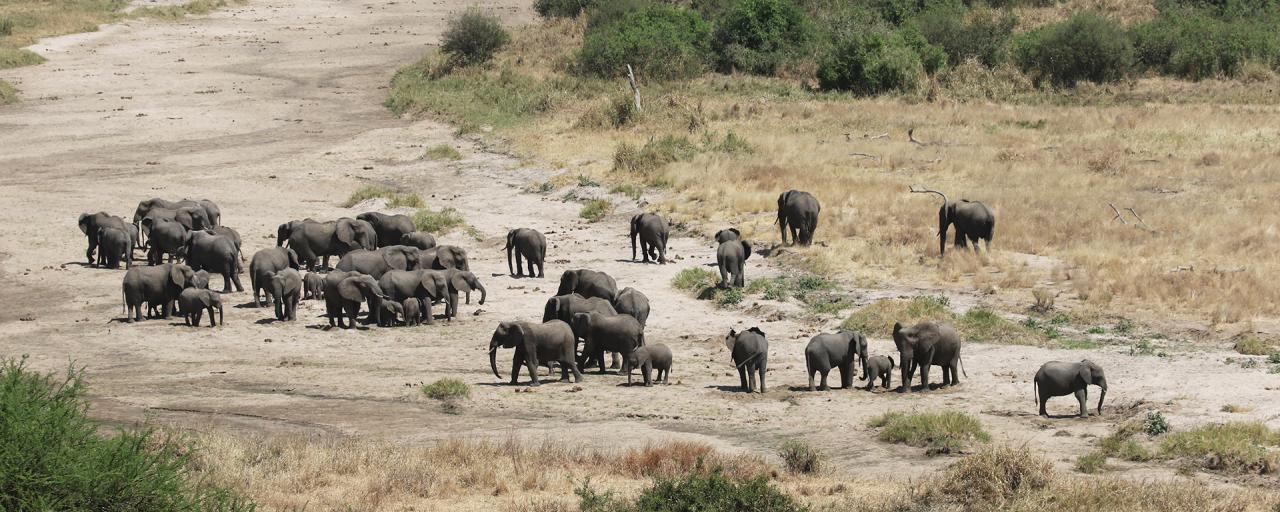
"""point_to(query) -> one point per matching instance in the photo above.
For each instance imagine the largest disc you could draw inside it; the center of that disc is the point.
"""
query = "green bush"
(1155, 424)
(1233, 447)
(659, 41)
(53, 458)
(595, 210)
(1087, 46)
(7, 93)
(437, 221)
(473, 37)
(1194, 45)
(938, 433)
(17, 57)
(609, 11)
(799, 457)
(982, 34)
(442, 152)
(653, 155)
(694, 279)
(561, 8)
(447, 389)
(726, 297)
(713, 492)
(874, 61)
(1091, 462)
(6, 27)
(757, 36)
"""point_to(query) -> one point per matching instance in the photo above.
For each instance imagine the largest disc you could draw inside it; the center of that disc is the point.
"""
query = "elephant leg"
(885, 379)
(762, 368)
(213, 322)
(955, 372)
(846, 380)
(600, 357)
(811, 373)
(824, 385)
(924, 377)
(573, 367)
(426, 309)
(531, 361)
(946, 376)
(647, 368)
(235, 278)
(88, 253)
(905, 370)
(751, 379)
(617, 361)
(742, 376)
(740, 278)
(541, 264)
(516, 363)
(519, 264)
(1082, 395)
(662, 254)
(1044, 399)
(724, 277)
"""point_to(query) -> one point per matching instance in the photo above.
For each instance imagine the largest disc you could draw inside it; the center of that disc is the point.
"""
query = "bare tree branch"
(865, 155)
(911, 135)
(917, 189)
(1118, 216)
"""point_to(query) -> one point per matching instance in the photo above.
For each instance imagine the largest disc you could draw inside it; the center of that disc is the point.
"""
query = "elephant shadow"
(637, 261)
(266, 321)
(730, 388)
(249, 305)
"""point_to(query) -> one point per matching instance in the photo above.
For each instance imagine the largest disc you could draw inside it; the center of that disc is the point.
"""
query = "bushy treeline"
(876, 46)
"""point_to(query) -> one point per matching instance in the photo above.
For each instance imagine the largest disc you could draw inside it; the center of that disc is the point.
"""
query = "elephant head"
(905, 339)
(569, 282)
(356, 234)
(465, 282)
(507, 335)
(145, 207)
(402, 257)
(451, 257)
(200, 279)
(726, 235)
(194, 217)
(86, 222)
(180, 276)
(283, 232)
(1091, 373)
(212, 299)
(857, 346)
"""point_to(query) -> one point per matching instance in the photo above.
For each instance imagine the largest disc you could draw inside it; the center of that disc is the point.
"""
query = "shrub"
(561, 8)
(654, 155)
(1091, 462)
(442, 152)
(53, 458)
(1193, 44)
(447, 389)
(877, 318)
(713, 492)
(1155, 424)
(7, 93)
(799, 457)
(437, 221)
(6, 27)
(693, 279)
(726, 297)
(981, 34)
(659, 42)
(1232, 447)
(632, 191)
(16, 58)
(473, 37)
(991, 476)
(609, 11)
(1087, 46)
(732, 143)
(871, 62)
(405, 201)
(756, 36)
(1251, 346)
(939, 433)
(395, 198)
(595, 209)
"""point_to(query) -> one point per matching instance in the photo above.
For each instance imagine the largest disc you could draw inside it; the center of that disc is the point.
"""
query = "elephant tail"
(961, 359)
(1035, 390)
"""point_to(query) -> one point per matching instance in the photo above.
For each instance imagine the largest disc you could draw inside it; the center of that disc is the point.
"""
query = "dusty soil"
(273, 109)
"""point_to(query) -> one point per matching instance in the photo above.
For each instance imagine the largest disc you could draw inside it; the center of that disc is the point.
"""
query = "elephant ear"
(552, 311)
(1086, 373)
(746, 250)
(345, 233)
(293, 258)
(735, 231)
(83, 222)
(731, 339)
(511, 239)
(458, 280)
(176, 276)
(395, 259)
(347, 289)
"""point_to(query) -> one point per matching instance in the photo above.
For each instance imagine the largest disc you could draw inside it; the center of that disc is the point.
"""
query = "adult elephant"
(212, 212)
(191, 217)
(343, 294)
(376, 263)
(530, 244)
(317, 241)
(927, 344)
(731, 257)
(116, 245)
(388, 229)
(91, 224)
(1057, 378)
(463, 281)
(588, 283)
(217, 254)
(750, 352)
(264, 264)
(443, 257)
(972, 219)
(425, 286)
(158, 286)
(418, 239)
(652, 231)
(167, 237)
(798, 212)
(535, 344)
(631, 302)
(838, 350)
(563, 307)
(229, 233)
(607, 333)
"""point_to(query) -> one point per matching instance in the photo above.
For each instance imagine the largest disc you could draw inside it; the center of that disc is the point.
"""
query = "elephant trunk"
(1102, 396)
(493, 359)
(483, 293)
(221, 319)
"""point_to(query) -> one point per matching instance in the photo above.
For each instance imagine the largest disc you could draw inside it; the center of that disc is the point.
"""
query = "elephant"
(649, 358)
(229, 233)
(91, 224)
(465, 282)
(193, 302)
(443, 257)
(392, 311)
(973, 222)
(1057, 378)
(727, 235)
(213, 214)
(563, 307)
(412, 311)
(928, 344)
(312, 286)
(191, 217)
(652, 230)
(878, 367)
(588, 283)
(750, 351)
(157, 285)
(388, 229)
(424, 286)
(116, 244)
(548, 341)
(200, 280)
(343, 293)
(531, 245)
(286, 291)
(418, 239)
(631, 302)
(731, 257)
(166, 237)
(840, 350)
(378, 262)
(798, 211)
(264, 264)
(317, 241)
(217, 254)
(607, 333)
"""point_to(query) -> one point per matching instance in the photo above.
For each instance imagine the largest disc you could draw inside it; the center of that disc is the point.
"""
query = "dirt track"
(274, 111)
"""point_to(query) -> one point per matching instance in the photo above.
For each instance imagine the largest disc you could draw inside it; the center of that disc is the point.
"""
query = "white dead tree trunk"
(635, 89)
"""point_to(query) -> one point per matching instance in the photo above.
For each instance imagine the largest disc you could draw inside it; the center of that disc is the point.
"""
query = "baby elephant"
(649, 357)
(391, 310)
(193, 303)
(412, 312)
(313, 286)
(1057, 378)
(878, 367)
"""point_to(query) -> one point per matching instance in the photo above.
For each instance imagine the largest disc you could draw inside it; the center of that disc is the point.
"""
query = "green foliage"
(471, 98)
(938, 433)
(984, 325)
(694, 279)
(442, 152)
(757, 36)
(731, 143)
(437, 222)
(595, 209)
(473, 37)
(712, 492)
(447, 389)
(653, 155)
(982, 34)
(1192, 43)
(1232, 447)
(561, 8)
(17, 57)
(6, 27)
(1090, 463)
(659, 41)
(7, 93)
(53, 458)
(1087, 46)
(632, 191)
(877, 318)
(586, 181)
(395, 198)
(725, 297)
(874, 59)
(1251, 346)
(1155, 424)
(799, 457)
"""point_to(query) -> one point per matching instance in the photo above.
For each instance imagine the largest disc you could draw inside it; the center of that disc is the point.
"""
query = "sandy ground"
(274, 110)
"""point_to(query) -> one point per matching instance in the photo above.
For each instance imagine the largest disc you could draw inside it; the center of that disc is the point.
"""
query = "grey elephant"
(418, 239)
(116, 245)
(264, 264)
(167, 238)
(588, 283)
(191, 217)
(444, 257)
(212, 212)
(530, 244)
(878, 367)
(607, 333)
(157, 285)
(315, 241)
(412, 311)
(649, 358)
(462, 281)
(286, 291)
(388, 229)
(392, 311)
(652, 231)
(217, 254)
(548, 341)
(312, 286)
(750, 352)
(841, 350)
(631, 302)
(973, 221)
(798, 212)
(422, 286)
(928, 344)
(91, 224)
(563, 307)
(731, 257)
(231, 234)
(727, 235)
(193, 302)
(1057, 378)
(378, 262)
(200, 280)
(344, 292)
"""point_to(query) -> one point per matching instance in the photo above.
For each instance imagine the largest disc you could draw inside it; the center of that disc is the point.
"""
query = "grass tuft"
(437, 222)
(442, 152)
(694, 279)
(395, 198)
(7, 93)
(1091, 463)
(18, 57)
(1251, 346)
(447, 390)
(596, 210)
(799, 457)
(939, 433)
(1238, 447)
